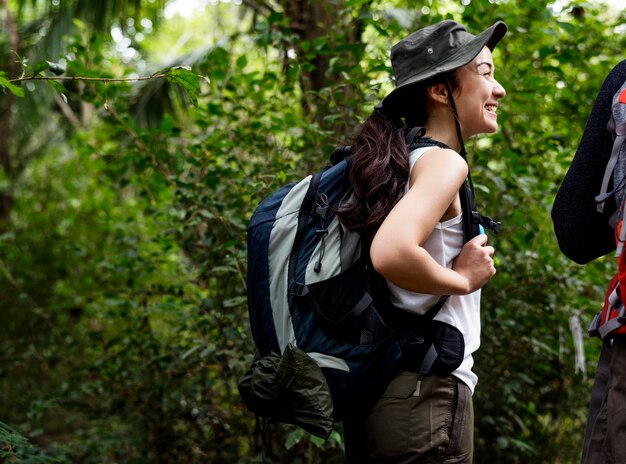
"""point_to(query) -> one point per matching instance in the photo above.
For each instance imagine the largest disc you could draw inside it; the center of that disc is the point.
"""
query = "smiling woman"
(424, 240)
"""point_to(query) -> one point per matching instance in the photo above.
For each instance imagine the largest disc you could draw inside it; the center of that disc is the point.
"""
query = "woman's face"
(478, 95)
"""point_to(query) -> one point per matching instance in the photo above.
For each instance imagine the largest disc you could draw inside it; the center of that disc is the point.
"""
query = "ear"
(438, 93)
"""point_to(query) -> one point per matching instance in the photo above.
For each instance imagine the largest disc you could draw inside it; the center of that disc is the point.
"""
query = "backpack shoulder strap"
(339, 153)
(473, 222)
(617, 127)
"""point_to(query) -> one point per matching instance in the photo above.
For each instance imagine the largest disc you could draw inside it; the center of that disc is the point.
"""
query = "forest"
(137, 138)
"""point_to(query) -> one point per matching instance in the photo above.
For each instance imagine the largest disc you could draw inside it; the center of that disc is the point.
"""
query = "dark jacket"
(583, 233)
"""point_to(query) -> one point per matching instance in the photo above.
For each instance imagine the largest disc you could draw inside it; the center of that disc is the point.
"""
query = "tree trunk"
(309, 20)
(6, 106)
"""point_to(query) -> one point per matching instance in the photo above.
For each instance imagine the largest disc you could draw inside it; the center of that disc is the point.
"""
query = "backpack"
(328, 340)
(611, 319)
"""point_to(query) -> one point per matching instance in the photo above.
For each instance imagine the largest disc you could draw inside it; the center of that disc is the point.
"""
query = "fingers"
(480, 239)
(476, 263)
(487, 252)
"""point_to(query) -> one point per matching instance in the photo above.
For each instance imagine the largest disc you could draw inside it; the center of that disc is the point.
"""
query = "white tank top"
(461, 311)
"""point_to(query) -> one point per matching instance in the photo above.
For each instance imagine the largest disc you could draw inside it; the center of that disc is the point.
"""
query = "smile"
(491, 108)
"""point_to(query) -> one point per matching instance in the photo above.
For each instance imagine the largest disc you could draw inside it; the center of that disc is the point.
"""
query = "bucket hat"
(435, 50)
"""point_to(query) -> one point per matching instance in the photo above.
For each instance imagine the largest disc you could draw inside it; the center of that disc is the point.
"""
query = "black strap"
(417, 131)
(339, 154)
(476, 219)
(301, 291)
(419, 140)
(399, 319)
(466, 192)
(472, 219)
(429, 359)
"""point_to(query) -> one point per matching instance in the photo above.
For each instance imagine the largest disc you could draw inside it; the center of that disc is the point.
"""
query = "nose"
(498, 90)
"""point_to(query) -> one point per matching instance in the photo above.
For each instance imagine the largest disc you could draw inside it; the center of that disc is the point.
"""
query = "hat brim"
(488, 38)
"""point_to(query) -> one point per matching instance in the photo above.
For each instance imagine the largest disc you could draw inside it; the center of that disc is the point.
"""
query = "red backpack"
(611, 320)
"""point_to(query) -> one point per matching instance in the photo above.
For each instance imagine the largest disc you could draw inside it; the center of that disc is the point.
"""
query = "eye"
(485, 70)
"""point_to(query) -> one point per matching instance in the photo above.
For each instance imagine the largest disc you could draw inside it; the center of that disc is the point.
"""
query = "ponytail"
(379, 170)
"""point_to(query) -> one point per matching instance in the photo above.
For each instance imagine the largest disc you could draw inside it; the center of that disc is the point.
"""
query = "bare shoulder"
(441, 163)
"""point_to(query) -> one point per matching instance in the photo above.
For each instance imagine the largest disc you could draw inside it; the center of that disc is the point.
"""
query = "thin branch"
(81, 78)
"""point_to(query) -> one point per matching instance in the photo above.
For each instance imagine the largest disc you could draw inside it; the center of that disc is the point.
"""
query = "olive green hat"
(434, 50)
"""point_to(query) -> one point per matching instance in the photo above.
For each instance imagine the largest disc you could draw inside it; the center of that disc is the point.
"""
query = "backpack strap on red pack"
(617, 127)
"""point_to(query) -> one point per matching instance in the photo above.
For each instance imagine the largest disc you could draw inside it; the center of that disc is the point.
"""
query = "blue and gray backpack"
(328, 340)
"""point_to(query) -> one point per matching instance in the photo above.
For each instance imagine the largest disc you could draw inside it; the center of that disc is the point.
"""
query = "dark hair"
(379, 167)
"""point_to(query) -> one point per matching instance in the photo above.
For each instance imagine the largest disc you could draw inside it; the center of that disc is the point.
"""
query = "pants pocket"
(412, 419)
(460, 448)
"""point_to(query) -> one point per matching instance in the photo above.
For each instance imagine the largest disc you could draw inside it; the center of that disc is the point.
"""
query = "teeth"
(491, 108)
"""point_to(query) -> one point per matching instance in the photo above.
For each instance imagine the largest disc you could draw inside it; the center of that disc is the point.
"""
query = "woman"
(444, 83)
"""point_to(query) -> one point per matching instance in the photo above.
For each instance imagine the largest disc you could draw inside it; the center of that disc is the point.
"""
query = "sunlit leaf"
(188, 80)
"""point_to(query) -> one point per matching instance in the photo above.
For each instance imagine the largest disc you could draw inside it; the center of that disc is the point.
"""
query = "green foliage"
(15, 448)
(6, 84)
(187, 80)
(123, 260)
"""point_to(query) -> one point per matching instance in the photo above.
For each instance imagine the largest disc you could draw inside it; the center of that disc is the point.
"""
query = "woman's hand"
(475, 263)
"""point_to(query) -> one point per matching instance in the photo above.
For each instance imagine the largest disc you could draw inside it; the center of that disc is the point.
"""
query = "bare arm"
(397, 252)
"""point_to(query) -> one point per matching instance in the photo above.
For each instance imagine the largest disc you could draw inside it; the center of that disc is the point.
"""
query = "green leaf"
(242, 61)
(57, 86)
(275, 17)
(14, 89)
(188, 80)
(41, 66)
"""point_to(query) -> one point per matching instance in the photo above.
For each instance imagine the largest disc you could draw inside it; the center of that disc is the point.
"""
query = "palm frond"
(154, 99)
(100, 14)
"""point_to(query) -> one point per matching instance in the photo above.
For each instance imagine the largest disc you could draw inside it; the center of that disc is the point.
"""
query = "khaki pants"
(608, 437)
(417, 420)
